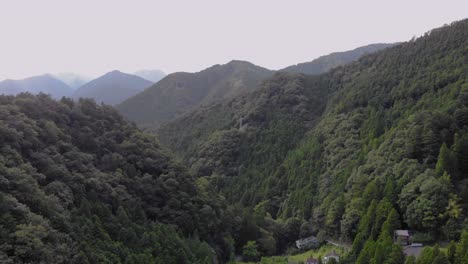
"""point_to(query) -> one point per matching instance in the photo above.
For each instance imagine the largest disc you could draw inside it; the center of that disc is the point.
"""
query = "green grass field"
(320, 252)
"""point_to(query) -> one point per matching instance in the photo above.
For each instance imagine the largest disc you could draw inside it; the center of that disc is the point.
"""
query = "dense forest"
(81, 185)
(351, 154)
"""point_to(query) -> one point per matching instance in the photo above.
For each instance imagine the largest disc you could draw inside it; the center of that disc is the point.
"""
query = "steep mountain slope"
(78, 184)
(179, 92)
(391, 145)
(385, 147)
(333, 60)
(150, 75)
(223, 137)
(71, 79)
(112, 88)
(44, 83)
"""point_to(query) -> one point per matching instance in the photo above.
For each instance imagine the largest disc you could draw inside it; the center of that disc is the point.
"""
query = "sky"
(92, 37)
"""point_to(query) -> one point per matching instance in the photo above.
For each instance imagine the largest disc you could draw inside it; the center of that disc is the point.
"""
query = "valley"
(358, 156)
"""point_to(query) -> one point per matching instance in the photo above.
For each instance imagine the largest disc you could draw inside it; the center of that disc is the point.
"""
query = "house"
(307, 243)
(311, 261)
(330, 256)
(402, 237)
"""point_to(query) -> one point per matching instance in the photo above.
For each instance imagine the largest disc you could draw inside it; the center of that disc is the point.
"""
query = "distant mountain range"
(112, 88)
(175, 94)
(179, 92)
(333, 60)
(46, 83)
(150, 75)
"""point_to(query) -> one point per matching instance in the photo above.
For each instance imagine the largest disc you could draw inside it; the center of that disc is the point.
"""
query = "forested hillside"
(180, 92)
(385, 146)
(78, 184)
(258, 128)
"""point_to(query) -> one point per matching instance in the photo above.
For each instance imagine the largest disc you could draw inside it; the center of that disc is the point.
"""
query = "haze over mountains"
(111, 88)
(72, 79)
(44, 83)
(150, 75)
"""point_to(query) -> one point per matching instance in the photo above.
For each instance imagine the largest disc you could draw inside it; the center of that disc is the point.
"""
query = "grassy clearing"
(320, 252)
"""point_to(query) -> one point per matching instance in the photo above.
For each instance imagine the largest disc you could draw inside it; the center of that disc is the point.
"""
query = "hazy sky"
(92, 37)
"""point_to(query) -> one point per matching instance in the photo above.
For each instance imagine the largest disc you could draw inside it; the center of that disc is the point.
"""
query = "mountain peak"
(112, 87)
(239, 62)
(114, 72)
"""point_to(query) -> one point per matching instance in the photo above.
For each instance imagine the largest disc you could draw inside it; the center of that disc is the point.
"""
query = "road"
(337, 244)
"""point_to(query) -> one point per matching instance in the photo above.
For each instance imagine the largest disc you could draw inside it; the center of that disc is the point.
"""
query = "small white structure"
(329, 256)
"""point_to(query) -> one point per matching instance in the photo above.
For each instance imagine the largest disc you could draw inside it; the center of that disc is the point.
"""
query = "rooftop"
(402, 232)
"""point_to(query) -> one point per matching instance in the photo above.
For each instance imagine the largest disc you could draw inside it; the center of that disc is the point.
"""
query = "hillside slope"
(112, 88)
(78, 184)
(223, 137)
(44, 83)
(179, 92)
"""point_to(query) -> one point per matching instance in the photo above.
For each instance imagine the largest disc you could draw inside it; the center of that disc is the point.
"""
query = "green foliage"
(249, 251)
(410, 260)
(78, 184)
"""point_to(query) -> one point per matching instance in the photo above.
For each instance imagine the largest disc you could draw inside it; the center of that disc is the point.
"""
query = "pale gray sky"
(92, 37)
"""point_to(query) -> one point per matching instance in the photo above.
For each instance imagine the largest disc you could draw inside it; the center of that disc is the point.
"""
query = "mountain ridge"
(327, 62)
